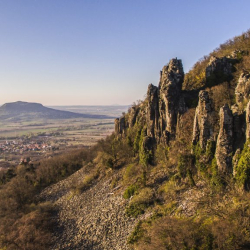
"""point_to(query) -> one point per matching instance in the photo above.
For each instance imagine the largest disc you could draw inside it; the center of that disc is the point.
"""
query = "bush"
(136, 234)
(130, 191)
(140, 202)
(86, 183)
(210, 149)
(216, 179)
(161, 154)
(242, 175)
(131, 173)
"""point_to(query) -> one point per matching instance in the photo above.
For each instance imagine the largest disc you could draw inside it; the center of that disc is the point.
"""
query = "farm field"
(40, 139)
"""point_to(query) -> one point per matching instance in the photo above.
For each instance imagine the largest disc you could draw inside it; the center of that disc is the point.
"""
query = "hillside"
(16, 111)
(175, 174)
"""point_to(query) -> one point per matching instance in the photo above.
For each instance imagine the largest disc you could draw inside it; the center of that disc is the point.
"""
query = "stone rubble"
(93, 220)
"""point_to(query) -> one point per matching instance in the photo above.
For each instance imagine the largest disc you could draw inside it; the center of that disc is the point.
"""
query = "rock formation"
(242, 91)
(164, 104)
(162, 111)
(238, 127)
(170, 87)
(120, 125)
(224, 146)
(219, 66)
(203, 128)
(132, 113)
(152, 110)
(248, 121)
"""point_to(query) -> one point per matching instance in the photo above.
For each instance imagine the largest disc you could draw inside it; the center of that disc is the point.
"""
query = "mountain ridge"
(30, 110)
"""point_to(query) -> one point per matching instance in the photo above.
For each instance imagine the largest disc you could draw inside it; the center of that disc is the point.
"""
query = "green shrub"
(136, 145)
(185, 165)
(130, 191)
(216, 179)
(140, 202)
(242, 170)
(131, 173)
(134, 210)
(136, 234)
(161, 154)
(145, 155)
(210, 149)
(86, 183)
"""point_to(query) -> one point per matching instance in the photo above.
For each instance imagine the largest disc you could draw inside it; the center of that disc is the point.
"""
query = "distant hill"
(16, 111)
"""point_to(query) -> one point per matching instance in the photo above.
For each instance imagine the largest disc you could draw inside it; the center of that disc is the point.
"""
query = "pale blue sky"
(90, 52)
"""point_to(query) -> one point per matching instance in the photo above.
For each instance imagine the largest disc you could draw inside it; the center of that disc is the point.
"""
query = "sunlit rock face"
(219, 66)
(203, 121)
(170, 86)
(152, 110)
(242, 90)
(224, 147)
(248, 121)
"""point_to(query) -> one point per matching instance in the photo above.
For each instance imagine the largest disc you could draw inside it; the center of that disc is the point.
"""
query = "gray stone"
(120, 125)
(242, 90)
(152, 110)
(203, 121)
(224, 146)
(238, 127)
(248, 121)
(219, 65)
(170, 87)
(132, 114)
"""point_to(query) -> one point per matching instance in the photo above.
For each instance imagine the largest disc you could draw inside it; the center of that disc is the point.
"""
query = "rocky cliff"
(166, 104)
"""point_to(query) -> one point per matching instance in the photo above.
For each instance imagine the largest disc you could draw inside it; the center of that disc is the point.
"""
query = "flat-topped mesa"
(224, 146)
(170, 86)
(203, 121)
(152, 110)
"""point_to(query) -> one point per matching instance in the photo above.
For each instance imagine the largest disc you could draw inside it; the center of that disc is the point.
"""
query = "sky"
(105, 52)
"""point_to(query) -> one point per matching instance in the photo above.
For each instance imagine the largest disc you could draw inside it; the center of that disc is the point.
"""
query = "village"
(23, 145)
(24, 149)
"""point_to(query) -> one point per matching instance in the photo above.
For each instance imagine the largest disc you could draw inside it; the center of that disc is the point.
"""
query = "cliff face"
(242, 90)
(218, 66)
(224, 147)
(170, 87)
(161, 112)
(162, 107)
(203, 121)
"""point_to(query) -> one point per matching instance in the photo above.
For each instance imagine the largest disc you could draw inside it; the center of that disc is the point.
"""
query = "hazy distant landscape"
(34, 135)
(112, 110)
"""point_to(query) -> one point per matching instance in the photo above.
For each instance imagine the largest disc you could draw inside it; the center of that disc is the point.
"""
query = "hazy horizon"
(74, 105)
